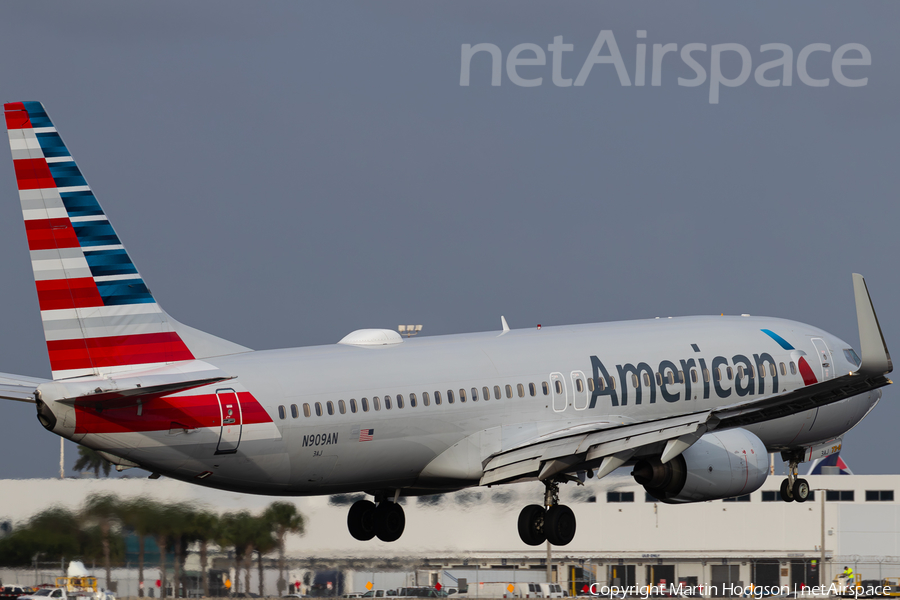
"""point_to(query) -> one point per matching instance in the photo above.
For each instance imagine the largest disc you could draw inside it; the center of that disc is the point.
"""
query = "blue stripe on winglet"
(781, 341)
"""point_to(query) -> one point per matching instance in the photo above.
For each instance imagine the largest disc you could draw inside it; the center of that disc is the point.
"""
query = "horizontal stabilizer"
(18, 387)
(132, 388)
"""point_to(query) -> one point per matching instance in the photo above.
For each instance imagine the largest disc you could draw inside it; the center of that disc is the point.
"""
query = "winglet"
(876, 359)
(504, 324)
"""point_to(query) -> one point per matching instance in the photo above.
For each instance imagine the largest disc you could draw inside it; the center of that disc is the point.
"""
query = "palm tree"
(104, 508)
(89, 460)
(237, 531)
(202, 527)
(263, 543)
(140, 514)
(284, 518)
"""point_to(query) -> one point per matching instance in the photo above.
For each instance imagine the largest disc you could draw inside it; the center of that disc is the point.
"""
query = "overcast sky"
(283, 173)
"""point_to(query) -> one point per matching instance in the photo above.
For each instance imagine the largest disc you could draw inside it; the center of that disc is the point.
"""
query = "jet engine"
(720, 464)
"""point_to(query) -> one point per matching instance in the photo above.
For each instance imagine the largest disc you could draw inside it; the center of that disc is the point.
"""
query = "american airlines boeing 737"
(694, 404)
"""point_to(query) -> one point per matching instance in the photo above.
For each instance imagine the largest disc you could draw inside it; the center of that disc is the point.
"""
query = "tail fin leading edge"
(99, 317)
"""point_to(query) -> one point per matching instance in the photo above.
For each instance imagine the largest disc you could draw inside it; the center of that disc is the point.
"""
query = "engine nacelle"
(721, 464)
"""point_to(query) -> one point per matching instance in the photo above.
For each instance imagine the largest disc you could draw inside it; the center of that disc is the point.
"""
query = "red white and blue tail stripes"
(98, 315)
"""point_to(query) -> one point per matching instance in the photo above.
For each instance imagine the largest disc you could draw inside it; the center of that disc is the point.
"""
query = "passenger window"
(474, 394)
(295, 412)
(793, 368)
(508, 391)
(558, 386)
(342, 406)
(706, 375)
(365, 404)
(634, 380)
(352, 406)
(318, 409)
(546, 388)
(437, 398)
(671, 377)
(306, 412)
(646, 379)
(740, 372)
(485, 393)
(590, 384)
(762, 370)
(412, 400)
(680, 376)
(376, 403)
(462, 395)
(717, 374)
(612, 381)
(579, 385)
(496, 392)
(399, 400)
(330, 406)
(729, 372)
(425, 399)
(281, 414)
(752, 372)
(521, 390)
(694, 375)
(449, 396)
(783, 369)
(387, 402)
(601, 384)
(659, 379)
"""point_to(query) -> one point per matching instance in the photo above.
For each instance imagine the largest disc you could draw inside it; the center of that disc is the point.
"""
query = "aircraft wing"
(610, 445)
(18, 387)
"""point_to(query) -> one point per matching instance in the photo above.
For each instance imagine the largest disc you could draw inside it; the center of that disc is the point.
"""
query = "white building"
(623, 536)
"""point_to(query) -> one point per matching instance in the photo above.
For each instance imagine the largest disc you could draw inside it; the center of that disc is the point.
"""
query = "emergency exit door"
(232, 421)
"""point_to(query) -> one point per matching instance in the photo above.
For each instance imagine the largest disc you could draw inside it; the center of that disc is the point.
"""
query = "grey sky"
(283, 172)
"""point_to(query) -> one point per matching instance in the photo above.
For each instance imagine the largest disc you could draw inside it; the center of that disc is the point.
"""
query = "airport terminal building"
(624, 536)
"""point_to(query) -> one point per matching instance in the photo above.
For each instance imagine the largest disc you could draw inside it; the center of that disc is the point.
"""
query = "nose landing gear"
(385, 521)
(555, 523)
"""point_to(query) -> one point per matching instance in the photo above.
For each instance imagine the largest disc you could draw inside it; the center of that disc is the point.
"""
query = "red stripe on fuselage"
(78, 292)
(117, 350)
(163, 414)
(809, 377)
(33, 174)
(50, 234)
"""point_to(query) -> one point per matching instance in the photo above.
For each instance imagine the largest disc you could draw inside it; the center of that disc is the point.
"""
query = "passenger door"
(232, 421)
(824, 358)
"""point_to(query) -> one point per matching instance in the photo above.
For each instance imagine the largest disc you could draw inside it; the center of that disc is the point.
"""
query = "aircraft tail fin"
(99, 317)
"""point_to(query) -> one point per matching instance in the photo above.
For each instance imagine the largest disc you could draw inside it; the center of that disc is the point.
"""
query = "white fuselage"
(547, 379)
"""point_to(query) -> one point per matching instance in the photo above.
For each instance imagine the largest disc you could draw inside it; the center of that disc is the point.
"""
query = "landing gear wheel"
(531, 525)
(800, 491)
(389, 521)
(361, 520)
(559, 525)
(786, 492)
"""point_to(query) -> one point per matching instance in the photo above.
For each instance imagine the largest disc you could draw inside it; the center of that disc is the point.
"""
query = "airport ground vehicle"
(12, 592)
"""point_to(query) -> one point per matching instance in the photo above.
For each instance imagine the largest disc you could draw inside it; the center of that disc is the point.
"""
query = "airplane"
(694, 404)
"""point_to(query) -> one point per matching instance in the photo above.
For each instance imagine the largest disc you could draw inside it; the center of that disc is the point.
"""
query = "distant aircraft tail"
(99, 316)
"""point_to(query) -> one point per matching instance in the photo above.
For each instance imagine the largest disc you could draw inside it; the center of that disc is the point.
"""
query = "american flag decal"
(366, 435)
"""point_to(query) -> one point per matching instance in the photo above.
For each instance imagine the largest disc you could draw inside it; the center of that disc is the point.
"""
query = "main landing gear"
(555, 523)
(793, 488)
(386, 520)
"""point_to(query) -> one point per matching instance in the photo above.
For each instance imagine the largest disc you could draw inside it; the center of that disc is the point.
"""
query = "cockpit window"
(851, 356)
